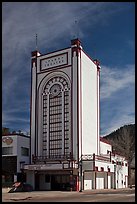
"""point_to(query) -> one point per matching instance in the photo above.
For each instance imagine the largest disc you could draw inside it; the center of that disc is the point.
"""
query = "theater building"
(66, 151)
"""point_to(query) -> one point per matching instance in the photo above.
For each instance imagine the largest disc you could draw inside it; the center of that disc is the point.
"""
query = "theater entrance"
(60, 182)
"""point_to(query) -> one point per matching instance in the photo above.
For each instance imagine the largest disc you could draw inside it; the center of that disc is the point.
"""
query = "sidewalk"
(35, 194)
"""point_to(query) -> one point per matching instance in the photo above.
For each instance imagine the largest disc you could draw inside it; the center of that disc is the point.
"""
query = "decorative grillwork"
(36, 159)
(56, 117)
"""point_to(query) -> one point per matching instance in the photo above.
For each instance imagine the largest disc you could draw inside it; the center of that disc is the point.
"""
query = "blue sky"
(107, 32)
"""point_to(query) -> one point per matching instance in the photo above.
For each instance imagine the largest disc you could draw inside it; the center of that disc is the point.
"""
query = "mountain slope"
(123, 142)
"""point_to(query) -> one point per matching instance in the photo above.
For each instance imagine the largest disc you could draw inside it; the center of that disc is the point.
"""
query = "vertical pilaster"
(63, 124)
(48, 124)
(33, 107)
(98, 105)
(76, 69)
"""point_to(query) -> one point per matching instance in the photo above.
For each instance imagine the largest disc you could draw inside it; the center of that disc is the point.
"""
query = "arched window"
(56, 118)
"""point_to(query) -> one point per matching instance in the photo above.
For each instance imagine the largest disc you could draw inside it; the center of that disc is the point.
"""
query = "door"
(36, 181)
(87, 184)
(99, 183)
(109, 181)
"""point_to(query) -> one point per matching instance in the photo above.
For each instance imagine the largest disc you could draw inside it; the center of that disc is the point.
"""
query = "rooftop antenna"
(36, 42)
(76, 29)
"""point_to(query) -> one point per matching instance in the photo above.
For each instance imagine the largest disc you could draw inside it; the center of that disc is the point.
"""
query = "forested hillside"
(123, 141)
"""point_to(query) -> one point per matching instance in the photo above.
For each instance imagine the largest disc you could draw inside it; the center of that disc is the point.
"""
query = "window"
(24, 151)
(56, 117)
(7, 150)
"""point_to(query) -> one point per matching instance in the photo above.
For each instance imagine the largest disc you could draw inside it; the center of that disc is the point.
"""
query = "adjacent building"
(66, 151)
(15, 153)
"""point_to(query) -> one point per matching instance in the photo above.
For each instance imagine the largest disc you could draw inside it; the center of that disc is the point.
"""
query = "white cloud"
(115, 79)
(10, 118)
(117, 97)
(54, 22)
(119, 121)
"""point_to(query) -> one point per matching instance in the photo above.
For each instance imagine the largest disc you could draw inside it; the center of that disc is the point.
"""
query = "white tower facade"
(64, 116)
(64, 103)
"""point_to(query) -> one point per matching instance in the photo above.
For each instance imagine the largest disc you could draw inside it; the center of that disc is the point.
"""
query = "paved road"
(122, 195)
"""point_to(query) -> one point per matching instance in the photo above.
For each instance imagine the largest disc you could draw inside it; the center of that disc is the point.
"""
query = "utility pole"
(80, 165)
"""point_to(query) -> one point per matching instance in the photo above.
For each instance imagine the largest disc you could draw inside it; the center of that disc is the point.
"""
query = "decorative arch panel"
(56, 98)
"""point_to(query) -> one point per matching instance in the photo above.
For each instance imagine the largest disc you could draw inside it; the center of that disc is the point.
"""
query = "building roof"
(104, 140)
(15, 134)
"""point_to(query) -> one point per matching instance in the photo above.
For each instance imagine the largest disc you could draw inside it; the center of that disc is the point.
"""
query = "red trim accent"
(97, 115)
(76, 42)
(80, 89)
(77, 103)
(99, 109)
(77, 50)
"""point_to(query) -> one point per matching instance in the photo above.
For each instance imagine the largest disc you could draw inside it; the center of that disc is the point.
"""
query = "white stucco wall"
(22, 142)
(18, 142)
(104, 147)
(90, 120)
(121, 171)
(106, 165)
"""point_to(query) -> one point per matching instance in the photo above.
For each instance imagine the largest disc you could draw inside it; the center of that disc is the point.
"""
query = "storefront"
(43, 178)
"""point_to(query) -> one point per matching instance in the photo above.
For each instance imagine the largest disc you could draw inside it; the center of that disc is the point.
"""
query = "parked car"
(21, 187)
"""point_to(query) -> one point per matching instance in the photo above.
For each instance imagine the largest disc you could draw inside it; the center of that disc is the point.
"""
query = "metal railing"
(51, 158)
(103, 157)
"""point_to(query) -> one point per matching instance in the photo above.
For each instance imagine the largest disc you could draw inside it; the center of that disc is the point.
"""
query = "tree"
(5, 131)
(13, 132)
(123, 143)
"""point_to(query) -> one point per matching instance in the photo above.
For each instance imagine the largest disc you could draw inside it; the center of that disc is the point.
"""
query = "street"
(106, 195)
